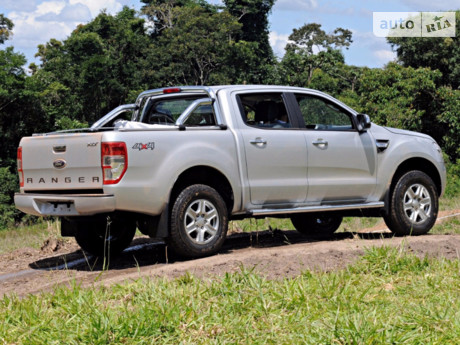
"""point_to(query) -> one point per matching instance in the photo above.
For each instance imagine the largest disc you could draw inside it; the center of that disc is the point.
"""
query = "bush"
(8, 186)
(453, 179)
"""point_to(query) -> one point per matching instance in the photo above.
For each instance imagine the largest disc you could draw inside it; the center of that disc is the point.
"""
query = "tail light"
(20, 171)
(114, 160)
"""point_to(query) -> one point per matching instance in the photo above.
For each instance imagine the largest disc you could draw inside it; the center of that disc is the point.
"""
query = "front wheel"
(105, 236)
(413, 206)
(199, 222)
(319, 225)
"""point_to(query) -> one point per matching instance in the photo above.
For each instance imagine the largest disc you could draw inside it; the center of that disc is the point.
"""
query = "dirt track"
(276, 254)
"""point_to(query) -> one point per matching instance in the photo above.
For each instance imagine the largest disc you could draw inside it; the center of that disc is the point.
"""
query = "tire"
(199, 222)
(316, 224)
(105, 237)
(414, 205)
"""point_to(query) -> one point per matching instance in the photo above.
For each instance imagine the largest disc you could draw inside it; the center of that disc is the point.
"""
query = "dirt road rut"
(275, 254)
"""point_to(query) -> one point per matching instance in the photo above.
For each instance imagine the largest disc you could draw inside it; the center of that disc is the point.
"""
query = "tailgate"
(62, 162)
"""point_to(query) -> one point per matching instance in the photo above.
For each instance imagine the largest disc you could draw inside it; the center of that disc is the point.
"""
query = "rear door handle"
(320, 142)
(258, 141)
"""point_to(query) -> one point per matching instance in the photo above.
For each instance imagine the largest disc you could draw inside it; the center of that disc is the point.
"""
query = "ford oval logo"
(59, 164)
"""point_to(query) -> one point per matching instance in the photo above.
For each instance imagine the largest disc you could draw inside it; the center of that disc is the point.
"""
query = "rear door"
(276, 154)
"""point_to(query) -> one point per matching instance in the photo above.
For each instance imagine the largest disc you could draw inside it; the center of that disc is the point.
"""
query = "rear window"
(161, 111)
(168, 110)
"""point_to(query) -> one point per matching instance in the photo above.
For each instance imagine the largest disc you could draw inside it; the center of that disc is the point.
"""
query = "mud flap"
(387, 200)
(68, 228)
(155, 227)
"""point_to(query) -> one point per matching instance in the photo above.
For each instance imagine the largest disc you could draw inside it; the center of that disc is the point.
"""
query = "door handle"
(258, 141)
(320, 142)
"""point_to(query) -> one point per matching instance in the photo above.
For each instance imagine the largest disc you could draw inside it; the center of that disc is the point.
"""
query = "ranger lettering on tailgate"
(67, 179)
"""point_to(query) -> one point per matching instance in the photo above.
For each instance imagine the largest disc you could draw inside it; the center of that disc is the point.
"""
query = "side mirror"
(364, 122)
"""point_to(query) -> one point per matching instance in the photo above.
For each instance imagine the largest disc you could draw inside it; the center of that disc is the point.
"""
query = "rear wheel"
(414, 205)
(199, 222)
(319, 225)
(105, 236)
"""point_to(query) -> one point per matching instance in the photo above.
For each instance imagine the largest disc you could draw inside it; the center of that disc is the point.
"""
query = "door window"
(264, 110)
(319, 114)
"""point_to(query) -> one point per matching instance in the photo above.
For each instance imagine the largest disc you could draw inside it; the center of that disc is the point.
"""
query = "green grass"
(32, 236)
(388, 297)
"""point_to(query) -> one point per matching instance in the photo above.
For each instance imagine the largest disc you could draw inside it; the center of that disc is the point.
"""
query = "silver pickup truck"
(183, 161)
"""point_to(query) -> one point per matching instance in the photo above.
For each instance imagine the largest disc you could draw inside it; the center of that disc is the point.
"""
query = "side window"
(201, 116)
(264, 110)
(319, 114)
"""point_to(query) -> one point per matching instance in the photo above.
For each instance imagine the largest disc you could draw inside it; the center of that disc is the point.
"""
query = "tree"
(312, 39)
(20, 111)
(8, 186)
(402, 97)
(253, 15)
(97, 68)
(251, 56)
(312, 49)
(161, 12)
(448, 101)
(254, 56)
(12, 95)
(299, 66)
(438, 53)
(196, 48)
(6, 26)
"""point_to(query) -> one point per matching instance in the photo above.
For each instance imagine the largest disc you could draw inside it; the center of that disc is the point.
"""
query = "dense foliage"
(442, 54)
(109, 60)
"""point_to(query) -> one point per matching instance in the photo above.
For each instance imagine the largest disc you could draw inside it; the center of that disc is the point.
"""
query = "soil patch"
(274, 254)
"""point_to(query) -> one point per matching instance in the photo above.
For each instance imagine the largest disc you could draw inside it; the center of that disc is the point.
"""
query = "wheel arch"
(206, 175)
(421, 164)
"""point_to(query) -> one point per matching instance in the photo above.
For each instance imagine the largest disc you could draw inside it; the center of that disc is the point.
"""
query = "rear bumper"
(64, 205)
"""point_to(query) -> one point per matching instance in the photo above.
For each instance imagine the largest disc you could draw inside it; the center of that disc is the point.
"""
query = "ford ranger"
(183, 161)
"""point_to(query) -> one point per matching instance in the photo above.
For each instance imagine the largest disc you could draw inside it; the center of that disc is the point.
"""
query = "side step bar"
(321, 208)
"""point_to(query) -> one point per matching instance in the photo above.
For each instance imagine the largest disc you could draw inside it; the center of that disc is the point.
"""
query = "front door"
(341, 161)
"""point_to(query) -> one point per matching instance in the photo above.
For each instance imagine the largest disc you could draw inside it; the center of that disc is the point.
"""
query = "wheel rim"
(201, 221)
(417, 204)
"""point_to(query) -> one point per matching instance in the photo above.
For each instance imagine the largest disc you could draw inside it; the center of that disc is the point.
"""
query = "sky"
(37, 21)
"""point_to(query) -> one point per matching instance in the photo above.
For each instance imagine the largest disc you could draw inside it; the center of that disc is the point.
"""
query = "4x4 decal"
(142, 146)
